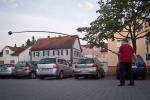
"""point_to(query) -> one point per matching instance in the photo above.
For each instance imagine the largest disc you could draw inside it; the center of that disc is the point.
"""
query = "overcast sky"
(63, 16)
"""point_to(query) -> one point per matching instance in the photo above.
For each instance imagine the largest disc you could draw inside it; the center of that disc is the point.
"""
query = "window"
(33, 54)
(47, 61)
(53, 53)
(147, 56)
(66, 52)
(57, 52)
(43, 53)
(7, 52)
(37, 54)
(47, 53)
(61, 52)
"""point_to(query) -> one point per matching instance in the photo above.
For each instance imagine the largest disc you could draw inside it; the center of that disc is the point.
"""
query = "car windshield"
(85, 61)
(47, 61)
(21, 64)
(7, 65)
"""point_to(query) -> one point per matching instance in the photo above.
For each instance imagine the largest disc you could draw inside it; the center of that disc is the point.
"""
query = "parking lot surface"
(71, 89)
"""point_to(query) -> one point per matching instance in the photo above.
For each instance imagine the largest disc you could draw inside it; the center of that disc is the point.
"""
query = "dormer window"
(7, 52)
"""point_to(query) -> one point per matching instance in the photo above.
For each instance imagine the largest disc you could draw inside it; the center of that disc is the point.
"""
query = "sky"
(63, 16)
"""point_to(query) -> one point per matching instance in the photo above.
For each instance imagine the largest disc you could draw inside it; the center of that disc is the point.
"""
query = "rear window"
(85, 61)
(47, 61)
(21, 64)
(7, 65)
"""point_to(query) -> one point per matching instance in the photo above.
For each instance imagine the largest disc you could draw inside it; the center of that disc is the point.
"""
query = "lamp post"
(101, 45)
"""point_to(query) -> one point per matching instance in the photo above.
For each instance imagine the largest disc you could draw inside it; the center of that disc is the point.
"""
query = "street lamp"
(10, 33)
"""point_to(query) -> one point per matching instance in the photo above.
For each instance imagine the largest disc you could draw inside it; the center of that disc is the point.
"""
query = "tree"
(116, 16)
(33, 40)
(28, 42)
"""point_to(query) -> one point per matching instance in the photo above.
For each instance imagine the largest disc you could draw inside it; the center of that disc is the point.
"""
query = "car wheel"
(76, 77)
(144, 77)
(41, 78)
(98, 75)
(61, 75)
(32, 75)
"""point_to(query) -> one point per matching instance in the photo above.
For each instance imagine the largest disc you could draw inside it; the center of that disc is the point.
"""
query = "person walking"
(125, 55)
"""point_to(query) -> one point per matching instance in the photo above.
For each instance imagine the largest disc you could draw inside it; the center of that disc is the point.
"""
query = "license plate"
(84, 71)
(46, 69)
(134, 66)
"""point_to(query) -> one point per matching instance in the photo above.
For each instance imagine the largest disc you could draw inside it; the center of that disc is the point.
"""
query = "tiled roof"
(61, 42)
(17, 50)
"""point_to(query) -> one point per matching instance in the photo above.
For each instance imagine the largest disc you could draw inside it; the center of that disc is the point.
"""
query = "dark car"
(138, 68)
(6, 70)
(88, 67)
(25, 68)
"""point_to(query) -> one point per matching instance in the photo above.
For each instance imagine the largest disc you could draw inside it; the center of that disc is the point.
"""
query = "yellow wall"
(112, 58)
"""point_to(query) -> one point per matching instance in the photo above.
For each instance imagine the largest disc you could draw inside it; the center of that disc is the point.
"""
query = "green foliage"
(114, 16)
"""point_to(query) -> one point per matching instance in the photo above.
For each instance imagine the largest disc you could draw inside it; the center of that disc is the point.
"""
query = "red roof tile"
(61, 42)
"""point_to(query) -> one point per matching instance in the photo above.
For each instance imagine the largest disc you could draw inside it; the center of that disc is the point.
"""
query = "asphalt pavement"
(72, 89)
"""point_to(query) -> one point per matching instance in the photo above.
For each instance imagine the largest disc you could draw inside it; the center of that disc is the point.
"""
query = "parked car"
(25, 68)
(88, 67)
(138, 68)
(6, 70)
(55, 66)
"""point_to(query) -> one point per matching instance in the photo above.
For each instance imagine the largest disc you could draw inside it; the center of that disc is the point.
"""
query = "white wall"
(76, 44)
(37, 58)
(7, 57)
(24, 56)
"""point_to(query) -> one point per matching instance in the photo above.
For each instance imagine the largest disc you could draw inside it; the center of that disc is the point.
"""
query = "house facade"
(143, 49)
(67, 47)
(11, 55)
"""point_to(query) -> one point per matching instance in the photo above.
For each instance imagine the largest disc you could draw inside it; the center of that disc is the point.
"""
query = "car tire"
(41, 78)
(61, 75)
(32, 75)
(76, 77)
(144, 77)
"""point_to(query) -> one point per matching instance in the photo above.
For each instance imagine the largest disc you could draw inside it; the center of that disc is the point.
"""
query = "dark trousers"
(125, 70)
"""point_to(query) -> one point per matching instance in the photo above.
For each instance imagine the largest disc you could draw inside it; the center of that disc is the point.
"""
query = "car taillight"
(27, 67)
(94, 65)
(55, 66)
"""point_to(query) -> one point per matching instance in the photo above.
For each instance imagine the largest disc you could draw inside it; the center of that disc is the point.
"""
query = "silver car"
(57, 67)
(88, 67)
(6, 70)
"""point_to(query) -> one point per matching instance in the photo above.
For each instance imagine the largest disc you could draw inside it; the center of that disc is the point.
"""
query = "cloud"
(11, 3)
(86, 6)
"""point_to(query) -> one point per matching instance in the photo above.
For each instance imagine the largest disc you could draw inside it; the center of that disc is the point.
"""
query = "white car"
(6, 70)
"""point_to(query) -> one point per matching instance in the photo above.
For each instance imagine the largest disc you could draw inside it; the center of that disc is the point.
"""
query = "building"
(67, 47)
(96, 52)
(143, 47)
(11, 55)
